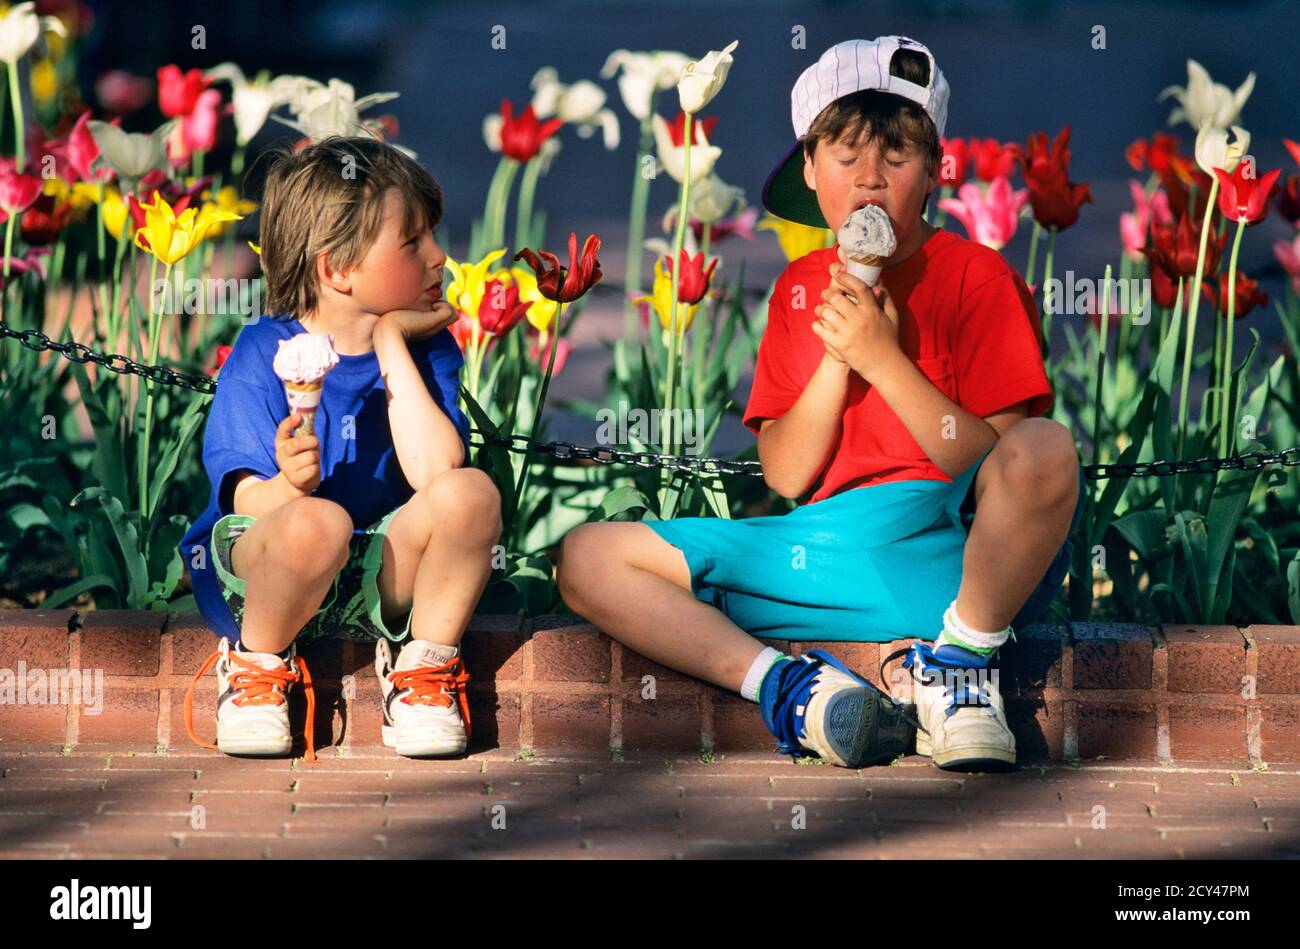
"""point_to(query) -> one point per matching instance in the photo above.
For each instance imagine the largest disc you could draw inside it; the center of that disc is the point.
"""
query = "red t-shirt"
(967, 321)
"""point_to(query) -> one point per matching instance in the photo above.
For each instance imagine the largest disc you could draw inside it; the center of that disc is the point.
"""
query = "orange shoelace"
(257, 687)
(430, 685)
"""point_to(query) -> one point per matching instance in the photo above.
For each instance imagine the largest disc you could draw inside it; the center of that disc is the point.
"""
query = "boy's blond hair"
(329, 198)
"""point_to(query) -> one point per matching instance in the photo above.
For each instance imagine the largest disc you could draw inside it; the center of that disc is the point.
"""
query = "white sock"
(957, 633)
(754, 677)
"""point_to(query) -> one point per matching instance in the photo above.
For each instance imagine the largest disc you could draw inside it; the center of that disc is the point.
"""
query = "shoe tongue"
(267, 660)
(962, 657)
(418, 653)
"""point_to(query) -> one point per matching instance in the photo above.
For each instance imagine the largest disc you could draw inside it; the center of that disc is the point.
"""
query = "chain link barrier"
(568, 451)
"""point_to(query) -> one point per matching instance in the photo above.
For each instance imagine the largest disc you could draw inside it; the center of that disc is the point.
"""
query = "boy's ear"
(337, 280)
(809, 176)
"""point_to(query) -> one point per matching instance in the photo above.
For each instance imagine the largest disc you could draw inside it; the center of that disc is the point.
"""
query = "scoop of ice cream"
(867, 233)
(305, 358)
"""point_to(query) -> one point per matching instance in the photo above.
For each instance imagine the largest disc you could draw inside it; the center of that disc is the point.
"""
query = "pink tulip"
(31, 261)
(121, 93)
(1288, 255)
(541, 354)
(196, 131)
(990, 218)
(18, 192)
(1133, 226)
(82, 152)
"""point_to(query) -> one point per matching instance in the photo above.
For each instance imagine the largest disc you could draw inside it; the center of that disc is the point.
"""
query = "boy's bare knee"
(467, 501)
(578, 558)
(314, 531)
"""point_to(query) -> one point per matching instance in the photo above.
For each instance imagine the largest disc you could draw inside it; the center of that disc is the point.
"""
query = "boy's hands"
(418, 324)
(298, 456)
(864, 335)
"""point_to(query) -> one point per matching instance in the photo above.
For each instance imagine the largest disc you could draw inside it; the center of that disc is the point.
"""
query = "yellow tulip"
(797, 239)
(45, 81)
(541, 312)
(226, 199)
(661, 300)
(168, 237)
(80, 196)
(114, 211)
(469, 282)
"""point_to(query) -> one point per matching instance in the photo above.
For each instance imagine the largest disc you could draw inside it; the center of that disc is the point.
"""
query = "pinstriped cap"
(845, 68)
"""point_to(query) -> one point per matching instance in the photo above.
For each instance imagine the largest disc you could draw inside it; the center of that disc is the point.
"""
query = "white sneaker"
(960, 708)
(426, 708)
(252, 707)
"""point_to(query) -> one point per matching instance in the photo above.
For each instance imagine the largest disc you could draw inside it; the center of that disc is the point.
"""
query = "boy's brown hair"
(330, 197)
(870, 114)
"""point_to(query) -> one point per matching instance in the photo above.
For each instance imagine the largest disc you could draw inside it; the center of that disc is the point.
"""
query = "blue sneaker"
(962, 721)
(814, 705)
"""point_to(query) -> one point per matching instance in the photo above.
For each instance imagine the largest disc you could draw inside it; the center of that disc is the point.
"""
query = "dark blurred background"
(1015, 67)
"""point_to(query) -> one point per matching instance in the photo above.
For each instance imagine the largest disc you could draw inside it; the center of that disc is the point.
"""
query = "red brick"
(363, 716)
(37, 637)
(570, 721)
(493, 655)
(670, 722)
(573, 653)
(1032, 662)
(1205, 658)
(635, 666)
(1279, 658)
(1279, 731)
(205, 716)
(1111, 656)
(127, 715)
(34, 723)
(862, 658)
(1128, 732)
(738, 724)
(121, 642)
(494, 719)
(192, 642)
(1039, 727)
(1207, 733)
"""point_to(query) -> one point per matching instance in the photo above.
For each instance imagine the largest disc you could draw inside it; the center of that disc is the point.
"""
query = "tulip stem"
(1228, 410)
(1194, 294)
(9, 244)
(1101, 366)
(636, 223)
(1047, 292)
(1033, 252)
(16, 94)
(673, 340)
(537, 414)
(155, 324)
(524, 214)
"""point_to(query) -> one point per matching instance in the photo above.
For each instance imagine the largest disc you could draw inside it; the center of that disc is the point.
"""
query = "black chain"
(567, 451)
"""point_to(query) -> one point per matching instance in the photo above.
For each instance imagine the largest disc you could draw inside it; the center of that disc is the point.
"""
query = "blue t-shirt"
(359, 465)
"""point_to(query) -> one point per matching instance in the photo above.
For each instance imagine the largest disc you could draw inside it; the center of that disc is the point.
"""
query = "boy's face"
(400, 271)
(845, 178)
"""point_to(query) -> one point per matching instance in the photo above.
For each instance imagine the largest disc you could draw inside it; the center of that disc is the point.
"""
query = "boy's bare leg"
(288, 560)
(438, 555)
(636, 587)
(1025, 494)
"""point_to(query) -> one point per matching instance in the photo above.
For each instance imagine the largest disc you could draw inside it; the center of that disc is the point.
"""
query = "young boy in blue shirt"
(370, 528)
(942, 502)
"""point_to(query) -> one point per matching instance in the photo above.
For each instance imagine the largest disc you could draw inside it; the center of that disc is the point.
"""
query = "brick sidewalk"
(370, 803)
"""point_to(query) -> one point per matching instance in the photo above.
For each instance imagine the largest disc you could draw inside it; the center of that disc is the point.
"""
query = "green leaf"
(108, 464)
(76, 588)
(128, 542)
(161, 476)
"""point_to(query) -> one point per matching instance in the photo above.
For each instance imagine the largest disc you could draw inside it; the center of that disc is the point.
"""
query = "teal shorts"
(871, 564)
(351, 608)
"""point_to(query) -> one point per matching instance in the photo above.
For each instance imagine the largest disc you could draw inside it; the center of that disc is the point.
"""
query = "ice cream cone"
(303, 398)
(866, 269)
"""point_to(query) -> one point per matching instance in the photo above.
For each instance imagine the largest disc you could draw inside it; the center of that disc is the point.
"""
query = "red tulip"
(993, 159)
(701, 130)
(42, 222)
(1156, 153)
(463, 331)
(121, 93)
(1248, 294)
(1288, 199)
(953, 165)
(501, 309)
(522, 138)
(17, 191)
(693, 284)
(179, 92)
(1175, 248)
(1054, 199)
(540, 352)
(1242, 198)
(1164, 289)
(555, 282)
(223, 353)
(82, 152)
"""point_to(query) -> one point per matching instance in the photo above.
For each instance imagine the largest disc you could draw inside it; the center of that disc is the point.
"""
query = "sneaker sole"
(845, 727)
(258, 747)
(435, 747)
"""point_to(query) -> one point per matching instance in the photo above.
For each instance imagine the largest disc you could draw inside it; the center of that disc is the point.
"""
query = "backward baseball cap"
(845, 68)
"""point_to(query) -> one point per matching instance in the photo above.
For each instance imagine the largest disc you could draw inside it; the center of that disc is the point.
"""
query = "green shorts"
(351, 608)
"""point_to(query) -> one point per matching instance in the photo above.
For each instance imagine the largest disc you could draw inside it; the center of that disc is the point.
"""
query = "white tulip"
(580, 105)
(1214, 151)
(254, 101)
(20, 28)
(642, 75)
(713, 199)
(131, 154)
(1206, 102)
(331, 109)
(672, 157)
(702, 80)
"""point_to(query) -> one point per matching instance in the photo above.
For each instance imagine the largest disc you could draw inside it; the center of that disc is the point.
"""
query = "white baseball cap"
(845, 68)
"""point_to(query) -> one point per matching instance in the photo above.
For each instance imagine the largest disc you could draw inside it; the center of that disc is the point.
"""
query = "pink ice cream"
(302, 364)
